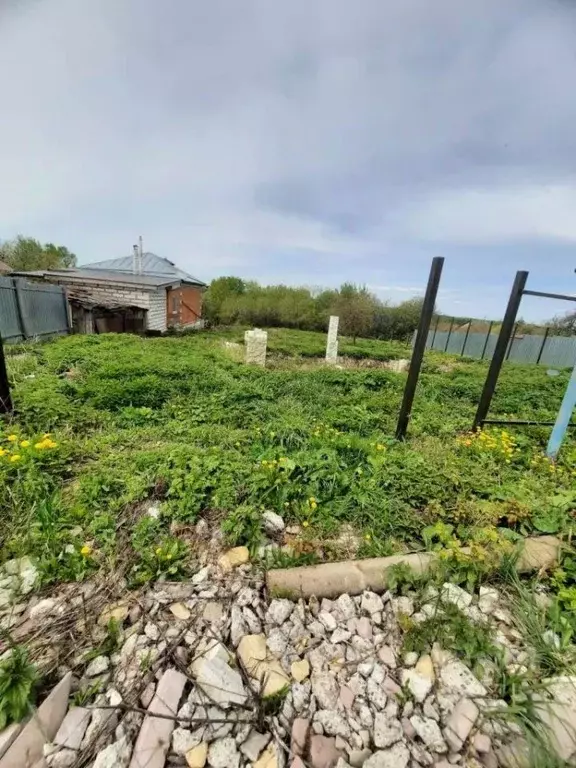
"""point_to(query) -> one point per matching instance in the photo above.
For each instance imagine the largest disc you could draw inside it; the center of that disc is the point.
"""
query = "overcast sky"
(302, 141)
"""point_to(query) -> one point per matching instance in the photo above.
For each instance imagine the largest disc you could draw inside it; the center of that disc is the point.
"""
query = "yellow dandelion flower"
(367, 537)
(25, 443)
(86, 550)
(15, 457)
(305, 524)
(313, 505)
(39, 446)
(159, 551)
(12, 438)
(3, 451)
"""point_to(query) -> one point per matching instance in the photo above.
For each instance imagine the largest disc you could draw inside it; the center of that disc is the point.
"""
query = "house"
(131, 293)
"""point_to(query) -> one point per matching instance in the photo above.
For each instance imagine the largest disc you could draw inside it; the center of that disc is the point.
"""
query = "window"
(174, 304)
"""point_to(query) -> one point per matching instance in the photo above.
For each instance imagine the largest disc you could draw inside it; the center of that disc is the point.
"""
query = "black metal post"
(501, 346)
(434, 334)
(419, 346)
(512, 338)
(5, 398)
(543, 344)
(449, 334)
(487, 339)
(466, 338)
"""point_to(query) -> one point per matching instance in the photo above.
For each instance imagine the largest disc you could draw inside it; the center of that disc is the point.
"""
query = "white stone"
(116, 755)
(201, 575)
(332, 340)
(340, 636)
(397, 756)
(272, 522)
(452, 593)
(97, 666)
(24, 572)
(254, 745)
(457, 678)
(371, 603)
(326, 690)
(256, 342)
(327, 620)
(333, 723)
(220, 682)
(403, 605)
(346, 606)
(376, 693)
(387, 730)
(184, 740)
(460, 723)
(277, 641)
(488, 599)
(279, 611)
(223, 754)
(418, 685)
(43, 608)
(429, 732)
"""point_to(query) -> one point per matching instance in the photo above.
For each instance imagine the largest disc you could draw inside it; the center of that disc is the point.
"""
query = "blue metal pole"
(563, 418)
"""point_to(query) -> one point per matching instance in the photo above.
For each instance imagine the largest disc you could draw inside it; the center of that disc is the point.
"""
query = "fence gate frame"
(500, 354)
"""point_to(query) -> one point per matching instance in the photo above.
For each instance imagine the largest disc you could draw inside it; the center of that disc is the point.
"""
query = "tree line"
(24, 254)
(231, 300)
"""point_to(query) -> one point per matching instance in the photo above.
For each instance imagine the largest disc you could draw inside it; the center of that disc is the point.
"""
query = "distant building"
(132, 293)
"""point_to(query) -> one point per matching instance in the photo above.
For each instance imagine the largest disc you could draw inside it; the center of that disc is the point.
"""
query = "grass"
(181, 423)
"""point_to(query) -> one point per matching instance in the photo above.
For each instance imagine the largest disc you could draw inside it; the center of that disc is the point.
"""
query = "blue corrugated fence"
(31, 310)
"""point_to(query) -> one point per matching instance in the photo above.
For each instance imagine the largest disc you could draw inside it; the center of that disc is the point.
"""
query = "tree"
(356, 308)
(564, 325)
(221, 289)
(25, 253)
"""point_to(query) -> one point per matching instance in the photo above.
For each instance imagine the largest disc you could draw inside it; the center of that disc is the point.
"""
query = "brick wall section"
(102, 291)
(157, 311)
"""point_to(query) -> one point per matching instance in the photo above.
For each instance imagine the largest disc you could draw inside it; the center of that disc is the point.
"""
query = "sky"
(308, 142)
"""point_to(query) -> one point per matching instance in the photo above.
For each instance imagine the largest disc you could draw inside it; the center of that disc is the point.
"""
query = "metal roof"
(100, 275)
(152, 266)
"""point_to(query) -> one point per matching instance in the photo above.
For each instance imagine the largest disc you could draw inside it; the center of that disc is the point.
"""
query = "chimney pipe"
(135, 259)
(140, 254)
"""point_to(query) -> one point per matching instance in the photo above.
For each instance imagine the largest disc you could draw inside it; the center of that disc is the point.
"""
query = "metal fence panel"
(9, 318)
(31, 310)
(558, 351)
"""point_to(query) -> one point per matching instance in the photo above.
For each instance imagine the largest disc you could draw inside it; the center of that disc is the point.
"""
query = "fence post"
(563, 418)
(18, 289)
(68, 310)
(501, 346)
(5, 398)
(487, 339)
(547, 331)
(449, 334)
(419, 346)
(466, 338)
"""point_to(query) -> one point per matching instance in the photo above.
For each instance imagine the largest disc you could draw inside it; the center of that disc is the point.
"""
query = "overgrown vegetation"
(179, 423)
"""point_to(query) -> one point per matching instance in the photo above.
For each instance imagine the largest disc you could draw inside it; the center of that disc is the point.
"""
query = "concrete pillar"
(256, 341)
(332, 342)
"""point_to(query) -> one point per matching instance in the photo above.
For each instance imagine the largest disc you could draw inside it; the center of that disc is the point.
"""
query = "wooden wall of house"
(183, 305)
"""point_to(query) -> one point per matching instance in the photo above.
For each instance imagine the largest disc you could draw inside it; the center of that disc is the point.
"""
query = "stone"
(387, 730)
(153, 740)
(268, 758)
(184, 740)
(233, 558)
(410, 658)
(43, 608)
(418, 685)
(340, 635)
(429, 732)
(97, 666)
(364, 627)
(332, 340)
(116, 755)
(299, 737)
(64, 758)
(272, 523)
(357, 757)
(482, 743)
(333, 723)
(301, 695)
(403, 605)
(73, 728)
(220, 682)
(254, 745)
(457, 678)
(213, 612)
(429, 710)
(117, 612)
(279, 611)
(255, 342)
(28, 744)
(277, 642)
(326, 690)
(488, 599)
(387, 656)
(180, 611)
(196, 757)
(460, 723)
(397, 756)
(346, 606)
(24, 573)
(346, 697)
(376, 693)
(238, 626)
(300, 670)
(327, 620)
(147, 695)
(371, 603)
(253, 654)
(8, 735)
(323, 752)
(152, 631)
(452, 593)
(557, 713)
(200, 577)
(222, 753)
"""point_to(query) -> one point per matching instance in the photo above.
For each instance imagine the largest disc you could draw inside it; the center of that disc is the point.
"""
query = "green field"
(182, 423)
